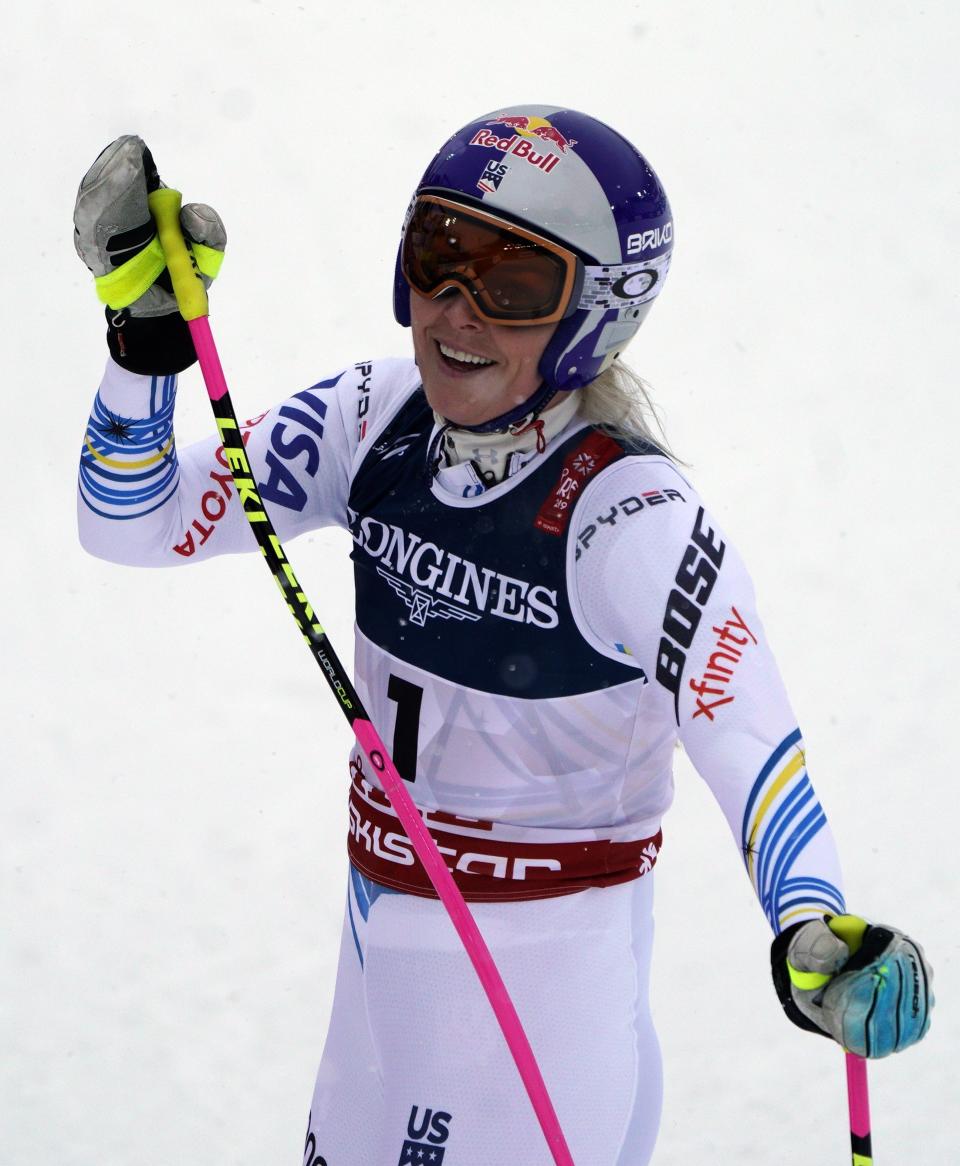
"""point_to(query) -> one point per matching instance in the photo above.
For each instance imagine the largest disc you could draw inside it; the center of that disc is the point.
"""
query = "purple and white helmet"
(575, 181)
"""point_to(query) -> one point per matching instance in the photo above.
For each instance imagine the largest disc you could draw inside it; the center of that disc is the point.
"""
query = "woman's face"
(469, 394)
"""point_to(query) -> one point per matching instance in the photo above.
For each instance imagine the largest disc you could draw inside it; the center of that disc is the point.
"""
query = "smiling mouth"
(455, 358)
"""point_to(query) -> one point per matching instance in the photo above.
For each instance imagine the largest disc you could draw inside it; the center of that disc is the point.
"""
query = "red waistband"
(486, 869)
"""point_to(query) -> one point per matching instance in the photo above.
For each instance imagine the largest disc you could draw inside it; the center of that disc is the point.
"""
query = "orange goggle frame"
(511, 276)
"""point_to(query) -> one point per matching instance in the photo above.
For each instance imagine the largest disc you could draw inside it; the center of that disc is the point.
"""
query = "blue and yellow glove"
(116, 238)
(868, 986)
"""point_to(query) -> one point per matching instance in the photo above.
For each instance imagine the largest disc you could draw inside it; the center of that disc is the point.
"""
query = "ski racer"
(544, 606)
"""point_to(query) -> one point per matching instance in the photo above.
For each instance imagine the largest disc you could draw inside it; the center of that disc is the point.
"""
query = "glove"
(116, 238)
(865, 985)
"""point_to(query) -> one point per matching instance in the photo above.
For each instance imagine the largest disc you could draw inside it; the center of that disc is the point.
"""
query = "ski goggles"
(511, 275)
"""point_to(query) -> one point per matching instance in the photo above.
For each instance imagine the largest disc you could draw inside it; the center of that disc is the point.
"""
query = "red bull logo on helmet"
(518, 147)
(529, 132)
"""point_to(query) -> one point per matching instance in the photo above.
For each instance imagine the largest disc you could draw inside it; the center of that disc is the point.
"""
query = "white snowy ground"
(172, 838)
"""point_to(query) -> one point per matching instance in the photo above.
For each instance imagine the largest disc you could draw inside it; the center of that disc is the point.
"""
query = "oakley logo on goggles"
(511, 275)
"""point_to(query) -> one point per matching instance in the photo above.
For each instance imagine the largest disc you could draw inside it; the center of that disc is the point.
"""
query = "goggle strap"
(622, 285)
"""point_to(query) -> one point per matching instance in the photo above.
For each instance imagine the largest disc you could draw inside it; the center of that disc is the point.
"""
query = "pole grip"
(849, 928)
(184, 275)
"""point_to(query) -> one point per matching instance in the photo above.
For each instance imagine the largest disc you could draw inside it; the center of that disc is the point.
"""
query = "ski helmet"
(588, 194)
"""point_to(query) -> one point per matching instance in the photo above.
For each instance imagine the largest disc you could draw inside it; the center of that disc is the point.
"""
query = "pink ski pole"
(192, 301)
(858, 1101)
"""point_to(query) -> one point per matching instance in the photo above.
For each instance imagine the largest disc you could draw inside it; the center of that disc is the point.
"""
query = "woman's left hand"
(868, 986)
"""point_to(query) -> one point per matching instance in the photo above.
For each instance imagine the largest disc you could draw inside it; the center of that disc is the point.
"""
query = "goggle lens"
(512, 276)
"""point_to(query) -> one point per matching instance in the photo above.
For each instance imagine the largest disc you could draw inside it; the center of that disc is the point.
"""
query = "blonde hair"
(620, 403)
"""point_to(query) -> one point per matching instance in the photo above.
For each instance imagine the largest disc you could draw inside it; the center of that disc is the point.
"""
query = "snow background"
(172, 858)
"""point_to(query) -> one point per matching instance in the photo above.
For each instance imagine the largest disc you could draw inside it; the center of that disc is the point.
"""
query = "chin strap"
(528, 410)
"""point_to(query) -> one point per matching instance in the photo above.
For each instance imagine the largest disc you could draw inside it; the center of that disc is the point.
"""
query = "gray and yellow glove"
(868, 986)
(116, 238)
